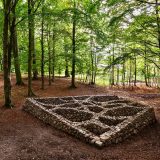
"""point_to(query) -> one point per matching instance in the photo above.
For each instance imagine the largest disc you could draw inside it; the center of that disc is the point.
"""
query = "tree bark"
(34, 68)
(7, 54)
(15, 50)
(73, 47)
(95, 68)
(53, 57)
(31, 45)
(130, 72)
(158, 22)
(49, 57)
(124, 74)
(145, 66)
(113, 83)
(1, 62)
(42, 49)
(19, 80)
(135, 70)
(92, 60)
(66, 58)
(117, 83)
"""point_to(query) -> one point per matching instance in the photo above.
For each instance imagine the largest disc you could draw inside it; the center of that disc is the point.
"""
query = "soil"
(23, 137)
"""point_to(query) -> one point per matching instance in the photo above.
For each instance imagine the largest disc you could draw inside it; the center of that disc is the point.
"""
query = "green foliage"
(120, 29)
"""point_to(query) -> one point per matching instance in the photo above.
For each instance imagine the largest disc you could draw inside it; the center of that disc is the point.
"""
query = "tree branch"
(143, 1)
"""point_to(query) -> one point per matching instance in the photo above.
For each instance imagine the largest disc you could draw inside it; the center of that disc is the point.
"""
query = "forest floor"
(23, 137)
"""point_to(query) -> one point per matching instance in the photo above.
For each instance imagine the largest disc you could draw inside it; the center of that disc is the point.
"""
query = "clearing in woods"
(24, 137)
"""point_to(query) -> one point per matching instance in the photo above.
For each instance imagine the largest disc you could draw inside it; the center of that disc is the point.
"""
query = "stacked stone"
(98, 120)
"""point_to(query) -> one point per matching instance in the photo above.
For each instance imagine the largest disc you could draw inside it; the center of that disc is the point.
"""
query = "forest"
(108, 42)
(77, 47)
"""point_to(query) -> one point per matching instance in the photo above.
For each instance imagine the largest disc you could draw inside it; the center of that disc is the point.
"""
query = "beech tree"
(117, 42)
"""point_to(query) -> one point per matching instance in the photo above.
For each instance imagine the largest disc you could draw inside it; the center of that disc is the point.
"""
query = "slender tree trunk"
(73, 47)
(16, 61)
(42, 49)
(110, 72)
(130, 72)
(53, 57)
(7, 55)
(92, 68)
(145, 66)
(1, 62)
(148, 75)
(15, 51)
(135, 70)
(158, 22)
(49, 57)
(118, 71)
(95, 68)
(112, 83)
(34, 68)
(92, 60)
(124, 74)
(31, 45)
(66, 58)
(117, 76)
(67, 70)
(154, 77)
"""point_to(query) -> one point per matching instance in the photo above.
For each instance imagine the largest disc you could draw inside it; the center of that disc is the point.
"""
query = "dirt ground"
(23, 137)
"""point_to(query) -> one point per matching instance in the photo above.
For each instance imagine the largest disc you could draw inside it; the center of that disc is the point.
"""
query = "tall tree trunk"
(42, 49)
(95, 68)
(148, 75)
(16, 60)
(15, 50)
(145, 66)
(118, 71)
(31, 45)
(34, 68)
(49, 57)
(67, 70)
(112, 83)
(53, 57)
(154, 77)
(130, 72)
(1, 62)
(135, 69)
(110, 71)
(92, 60)
(158, 22)
(66, 58)
(7, 54)
(73, 47)
(124, 74)
(117, 83)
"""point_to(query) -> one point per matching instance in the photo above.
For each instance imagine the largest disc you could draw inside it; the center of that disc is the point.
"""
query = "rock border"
(100, 120)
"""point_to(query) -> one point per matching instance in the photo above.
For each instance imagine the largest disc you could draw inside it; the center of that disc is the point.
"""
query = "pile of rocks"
(98, 120)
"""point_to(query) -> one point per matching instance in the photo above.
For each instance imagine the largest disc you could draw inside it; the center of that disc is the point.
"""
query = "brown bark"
(135, 69)
(7, 54)
(31, 46)
(34, 70)
(49, 56)
(66, 58)
(53, 57)
(73, 47)
(15, 49)
(42, 50)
